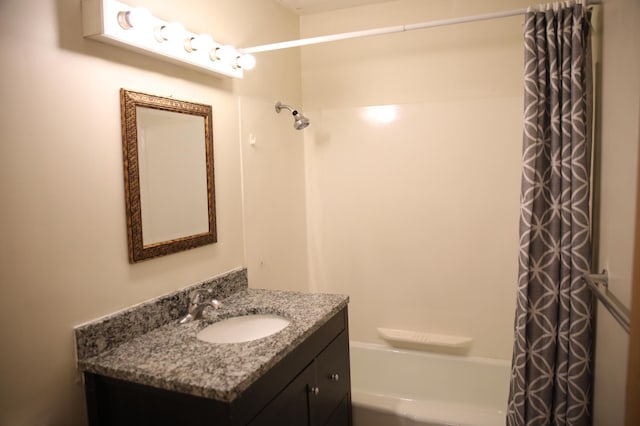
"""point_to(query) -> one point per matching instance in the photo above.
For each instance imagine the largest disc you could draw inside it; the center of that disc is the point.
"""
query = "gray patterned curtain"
(551, 365)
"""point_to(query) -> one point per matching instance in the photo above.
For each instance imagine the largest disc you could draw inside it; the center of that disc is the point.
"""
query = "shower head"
(300, 120)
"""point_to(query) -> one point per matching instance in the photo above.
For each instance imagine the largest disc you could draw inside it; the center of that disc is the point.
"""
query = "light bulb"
(170, 31)
(136, 17)
(246, 61)
(224, 53)
(202, 42)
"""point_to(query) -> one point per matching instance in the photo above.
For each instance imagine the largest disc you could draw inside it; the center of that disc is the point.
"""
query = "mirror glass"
(168, 161)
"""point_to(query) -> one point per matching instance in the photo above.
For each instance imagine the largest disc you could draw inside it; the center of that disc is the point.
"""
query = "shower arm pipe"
(389, 30)
(280, 105)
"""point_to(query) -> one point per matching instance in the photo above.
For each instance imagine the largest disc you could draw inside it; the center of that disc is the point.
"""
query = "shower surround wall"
(413, 206)
(417, 218)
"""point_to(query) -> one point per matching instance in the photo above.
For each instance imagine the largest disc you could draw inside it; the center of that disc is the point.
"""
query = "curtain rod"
(389, 30)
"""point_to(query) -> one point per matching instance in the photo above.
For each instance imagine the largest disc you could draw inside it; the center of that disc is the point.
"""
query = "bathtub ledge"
(427, 339)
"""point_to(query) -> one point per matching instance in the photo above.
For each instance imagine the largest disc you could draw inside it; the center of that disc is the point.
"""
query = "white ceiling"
(305, 7)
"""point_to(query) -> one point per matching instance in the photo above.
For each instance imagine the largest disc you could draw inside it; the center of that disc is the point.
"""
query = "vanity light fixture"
(135, 28)
(170, 31)
(202, 42)
(230, 55)
(246, 61)
(136, 17)
(224, 53)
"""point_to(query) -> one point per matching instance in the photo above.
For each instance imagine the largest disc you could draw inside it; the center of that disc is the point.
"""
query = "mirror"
(168, 174)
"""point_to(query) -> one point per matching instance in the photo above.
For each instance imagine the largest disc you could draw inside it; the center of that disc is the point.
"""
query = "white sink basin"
(243, 328)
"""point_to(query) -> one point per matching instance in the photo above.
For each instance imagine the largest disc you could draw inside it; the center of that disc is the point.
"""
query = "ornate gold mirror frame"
(179, 129)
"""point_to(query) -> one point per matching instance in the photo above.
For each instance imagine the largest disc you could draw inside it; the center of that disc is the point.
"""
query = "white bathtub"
(393, 387)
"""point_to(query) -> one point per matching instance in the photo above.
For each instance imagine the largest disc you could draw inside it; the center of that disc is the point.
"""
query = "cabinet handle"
(335, 377)
(314, 390)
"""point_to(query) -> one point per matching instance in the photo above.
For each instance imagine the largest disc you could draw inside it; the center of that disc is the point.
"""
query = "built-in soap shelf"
(416, 338)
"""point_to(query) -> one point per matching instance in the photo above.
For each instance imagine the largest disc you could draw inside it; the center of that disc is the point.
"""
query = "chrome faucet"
(197, 303)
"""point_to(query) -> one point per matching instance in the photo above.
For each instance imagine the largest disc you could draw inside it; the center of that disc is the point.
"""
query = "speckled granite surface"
(106, 333)
(171, 357)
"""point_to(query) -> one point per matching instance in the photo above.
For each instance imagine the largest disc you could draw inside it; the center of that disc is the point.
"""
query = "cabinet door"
(332, 380)
(342, 415)
(290, 407)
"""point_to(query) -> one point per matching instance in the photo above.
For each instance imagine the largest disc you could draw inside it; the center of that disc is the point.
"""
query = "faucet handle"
(196, 296)
(199, 299)
(197, 304)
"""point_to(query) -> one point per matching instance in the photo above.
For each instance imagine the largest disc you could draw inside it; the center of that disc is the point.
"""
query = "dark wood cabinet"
(310, 386)
(332, 381)
(291, 406)
(316, 393)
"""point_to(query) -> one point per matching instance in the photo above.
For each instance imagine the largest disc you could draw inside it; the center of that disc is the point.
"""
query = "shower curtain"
(551, 364)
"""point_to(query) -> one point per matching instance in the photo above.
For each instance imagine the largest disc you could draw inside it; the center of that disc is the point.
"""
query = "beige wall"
(441, 260)
(273, 183)
(63, 251)
(417, 219)
(618, 135)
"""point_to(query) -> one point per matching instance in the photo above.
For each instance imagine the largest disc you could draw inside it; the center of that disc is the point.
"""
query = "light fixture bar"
(106, 21)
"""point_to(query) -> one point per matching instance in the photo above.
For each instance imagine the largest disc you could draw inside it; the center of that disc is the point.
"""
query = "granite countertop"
(171, 357)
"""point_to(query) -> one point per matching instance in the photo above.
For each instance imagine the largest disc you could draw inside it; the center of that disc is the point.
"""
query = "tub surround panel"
(108, 332)
(170, 356)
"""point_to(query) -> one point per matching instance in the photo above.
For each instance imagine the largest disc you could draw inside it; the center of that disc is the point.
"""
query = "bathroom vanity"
(161, 374)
